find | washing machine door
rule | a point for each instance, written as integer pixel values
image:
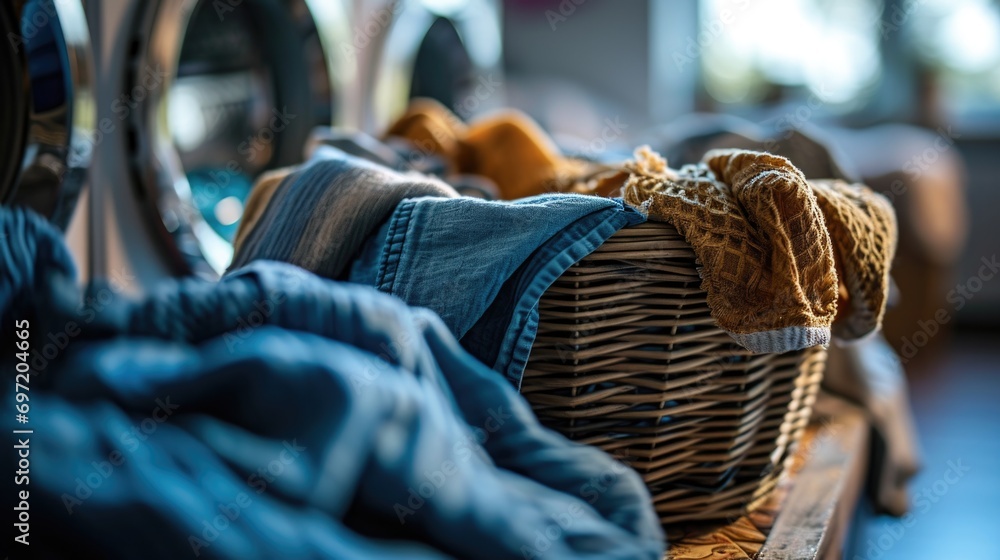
(47, 110)
(217, 92)
(448, 50)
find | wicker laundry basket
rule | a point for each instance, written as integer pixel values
(629, 359)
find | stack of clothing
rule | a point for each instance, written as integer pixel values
(788, 262)
(481, 265)
(276, 414)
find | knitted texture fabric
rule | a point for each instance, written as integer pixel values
(862, 226)
(767, 240)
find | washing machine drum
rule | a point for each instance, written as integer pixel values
(219, 92)
(47, 106)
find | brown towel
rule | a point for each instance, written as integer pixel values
(862, 226)
(507, 147)
(765, 238)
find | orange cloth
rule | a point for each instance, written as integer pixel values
(507, 147)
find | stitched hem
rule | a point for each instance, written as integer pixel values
(786, 339)
(395, 238)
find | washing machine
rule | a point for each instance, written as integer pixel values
(448, 50)
(195, 99)
(46, 114)
(178, 105)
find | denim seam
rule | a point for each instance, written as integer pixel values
(388, 265)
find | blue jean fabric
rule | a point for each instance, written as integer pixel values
(276, 414)
(483, 265)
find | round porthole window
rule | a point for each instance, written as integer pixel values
(48, 109)
(222, 90)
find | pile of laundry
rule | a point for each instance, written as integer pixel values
(782, 257)
(349, 388)
(276, 414)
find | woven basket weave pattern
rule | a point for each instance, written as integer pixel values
(628, 358)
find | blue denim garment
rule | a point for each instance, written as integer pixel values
(276, 414)
(483, 265)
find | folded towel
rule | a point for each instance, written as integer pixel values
(766, 241)
(319, 216)
(507, 147)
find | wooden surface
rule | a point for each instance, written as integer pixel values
(808, 514)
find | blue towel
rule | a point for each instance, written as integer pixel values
(280, 415)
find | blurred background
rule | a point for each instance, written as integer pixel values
(150, 120)
(904, 95)
(844, 72)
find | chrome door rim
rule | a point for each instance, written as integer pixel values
(52, 151)
(192, 247)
